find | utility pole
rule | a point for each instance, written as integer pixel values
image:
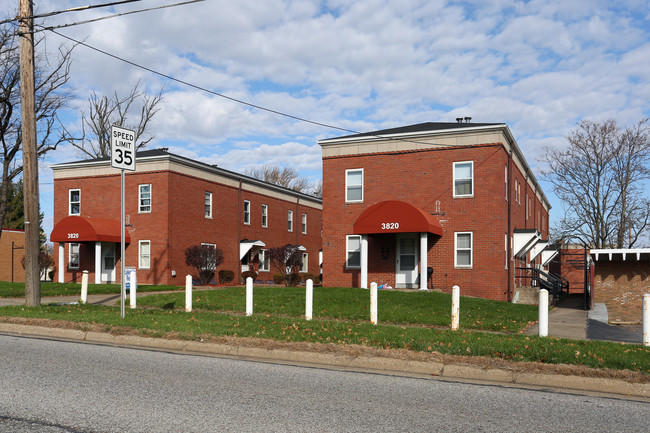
(30, 167)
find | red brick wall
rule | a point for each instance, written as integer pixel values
(425, 179)
(621, 285)
(177, 221)
(18, 239)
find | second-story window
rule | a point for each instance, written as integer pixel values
(304, 224)
(208, 204)
(290, 220)
(247, 212)
(144, 198)
(75, 202)
(354, 185)
(464, 179)
(265, 215)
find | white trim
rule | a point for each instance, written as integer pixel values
(140, 243)
(70, 266)
(471, 194)
(634, 253)
(471, 250)
(70, 201)
(304, 224)
(304, 264)
(140, 205)
(207, 204)
(348, 251)
(265, 216)
(347, 172)
(290, 220)
(263, 261)
(247, 212)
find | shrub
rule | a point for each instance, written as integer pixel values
(205, 259)
(226, 276)
(308, 276)
(247, 274)
(294, 279)
(278, 278)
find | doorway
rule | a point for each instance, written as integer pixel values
(108, 262)
(406, 262)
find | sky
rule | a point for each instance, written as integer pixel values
(538, 66)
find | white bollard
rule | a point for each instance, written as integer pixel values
(132, 291)
(84, 287)
(646, 319)
(373, 303)
(249, 296)
(309, 300)
(188, 293)
(543, 313)
(455, 308)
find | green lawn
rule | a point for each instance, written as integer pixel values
(419, 308)
(201, 324)
(17, 290)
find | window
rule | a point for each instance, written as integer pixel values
(304, 224)
(145, 198)
(265, 261)
(505, 180)
(247, 212)
(73, 256)
(517, 191)
(290, 220)
(144, 254)
(354, 185)
(208, 204)
(212, 266)
(265, 215)
(464, 179)
(75, 202)
(353, 245)
(505, 249)
(463, 247)
(304, 263)
(516, 186)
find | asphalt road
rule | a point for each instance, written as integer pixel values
(51, 386)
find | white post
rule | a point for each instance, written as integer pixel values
(84, 287)
(455, 308)
(373, 303)
(646, 319)
(424, 243)
(364, 261)
(61, 261)
(249, 296)
(132, 291)
(543, 313)
(188, 293)
(309, 300)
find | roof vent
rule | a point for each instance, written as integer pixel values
(467, 119)
(163, 149)
(459, 119)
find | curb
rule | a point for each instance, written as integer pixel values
(360, 363)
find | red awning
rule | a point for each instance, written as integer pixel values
(395, 216)
(84, 229)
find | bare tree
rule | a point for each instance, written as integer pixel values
(599, 179)
(286, 260)
(103, 112)
(283, 176)
(50, 96)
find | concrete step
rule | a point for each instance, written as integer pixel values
(527, 295)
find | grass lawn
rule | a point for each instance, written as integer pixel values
(17, 290)
(419, 308)
(281, 327)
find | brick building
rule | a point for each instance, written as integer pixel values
(173, 202)
(458, 198)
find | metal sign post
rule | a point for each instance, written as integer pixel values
(122, 157)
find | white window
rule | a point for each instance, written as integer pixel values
(464, 179)
(517, 191)
(505, 249)
(211, 266)
(463, 250)
(304, 263)
(265, 215)
(354, 185)
(265, 261)
(353, 245)
(144, 198)
(208, 204)
(144, 254)
(73, 256)
(304, 224)
(290, 220)
(505, 180)
(75, 202)
(247, 212)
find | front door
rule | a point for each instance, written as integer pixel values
(406, 262)
(108, 262)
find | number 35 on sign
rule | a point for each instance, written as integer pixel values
(122, 148)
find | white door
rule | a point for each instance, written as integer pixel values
(108, 262)
(406, 261)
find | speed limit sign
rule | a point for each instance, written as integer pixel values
(122, 148)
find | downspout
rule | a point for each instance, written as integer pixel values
(510, 261)
(239, 221)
